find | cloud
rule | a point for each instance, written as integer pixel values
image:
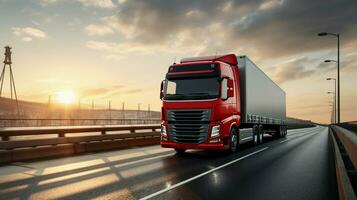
(29, 31)
(27, 39)
(347, 63)
(101, 91)
(48, 1)
(267, 5)
(98, 3)
(117, 50)
(305, 67)
(98, 30)
(88, 3)
(256, 28)
(293, 70)
(106, 92)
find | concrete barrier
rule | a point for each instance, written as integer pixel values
(22, 150)
(345, 189)
(349, 141)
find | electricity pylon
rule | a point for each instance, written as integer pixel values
(8, 62)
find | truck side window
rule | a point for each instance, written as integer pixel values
(224, 89)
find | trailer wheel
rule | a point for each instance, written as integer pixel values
(260, 134)
(233, 140)
(255, 140)
(180, 151)
(285, 131)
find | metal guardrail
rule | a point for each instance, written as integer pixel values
(30, 122)
(352, 126)
(62, 145)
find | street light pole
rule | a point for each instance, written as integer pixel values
(333, 105)
(338, 72)
(338, 79)
(329, 79)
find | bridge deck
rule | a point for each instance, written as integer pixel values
(300, 166)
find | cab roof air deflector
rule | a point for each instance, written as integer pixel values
(230, 59)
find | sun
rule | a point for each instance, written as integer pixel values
(66, 96)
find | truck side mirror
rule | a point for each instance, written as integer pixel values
(162, 90)
(227, 88)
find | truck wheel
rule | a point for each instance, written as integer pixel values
(285, 131)
(255, 140)
(277, 132)
(180, 151)
(260, 134)
(233, 140)
(281, 132)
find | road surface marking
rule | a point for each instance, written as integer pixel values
(200, 175)
(283, 141)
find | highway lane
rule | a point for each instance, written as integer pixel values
(299, 166)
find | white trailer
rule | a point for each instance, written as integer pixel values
(262, 100)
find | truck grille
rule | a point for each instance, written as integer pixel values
(188, 126)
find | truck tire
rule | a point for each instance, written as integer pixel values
(233, 140)
(285, 131)
(280, 132)
(255, 140)
(260, 134)
(277, 133)
(180, 151)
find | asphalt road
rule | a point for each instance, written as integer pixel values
(300, 166)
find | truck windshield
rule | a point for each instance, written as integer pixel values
(189, 89)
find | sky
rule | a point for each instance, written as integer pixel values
(120, 50)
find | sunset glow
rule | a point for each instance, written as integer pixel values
(66, 97)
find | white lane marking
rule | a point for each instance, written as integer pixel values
(200, 175)
(284, 141)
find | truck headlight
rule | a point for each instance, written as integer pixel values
(163, 130)
(215, 131)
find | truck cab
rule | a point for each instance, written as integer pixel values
(202, 105)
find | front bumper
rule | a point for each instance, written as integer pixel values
(212, 146)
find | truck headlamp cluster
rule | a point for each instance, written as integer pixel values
(215, 131)
(163, 131)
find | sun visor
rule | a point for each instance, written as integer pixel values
(193, 70)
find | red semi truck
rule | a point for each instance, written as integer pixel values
(219, 102)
